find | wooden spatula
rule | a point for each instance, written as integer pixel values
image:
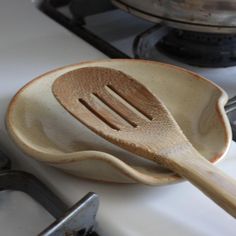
(126, 113)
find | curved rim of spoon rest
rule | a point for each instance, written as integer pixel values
(61, 160)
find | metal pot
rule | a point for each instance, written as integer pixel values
(216, 16)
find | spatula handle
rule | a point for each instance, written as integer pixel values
(220, 187)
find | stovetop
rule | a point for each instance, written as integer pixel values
(31, 44)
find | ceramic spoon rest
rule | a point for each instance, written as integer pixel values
(46, 132)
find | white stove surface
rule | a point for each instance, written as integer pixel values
(31, 44)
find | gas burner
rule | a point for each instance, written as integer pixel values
(193, 48)
(200, 49)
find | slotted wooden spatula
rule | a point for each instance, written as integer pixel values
(126, 113)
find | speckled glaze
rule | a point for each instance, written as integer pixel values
(46, 132)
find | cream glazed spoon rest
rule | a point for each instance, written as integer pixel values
(46, 132)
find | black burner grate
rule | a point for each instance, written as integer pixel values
(76, 220)
(200, 49)
(77, 23)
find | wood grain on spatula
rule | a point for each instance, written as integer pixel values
(126, 113)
